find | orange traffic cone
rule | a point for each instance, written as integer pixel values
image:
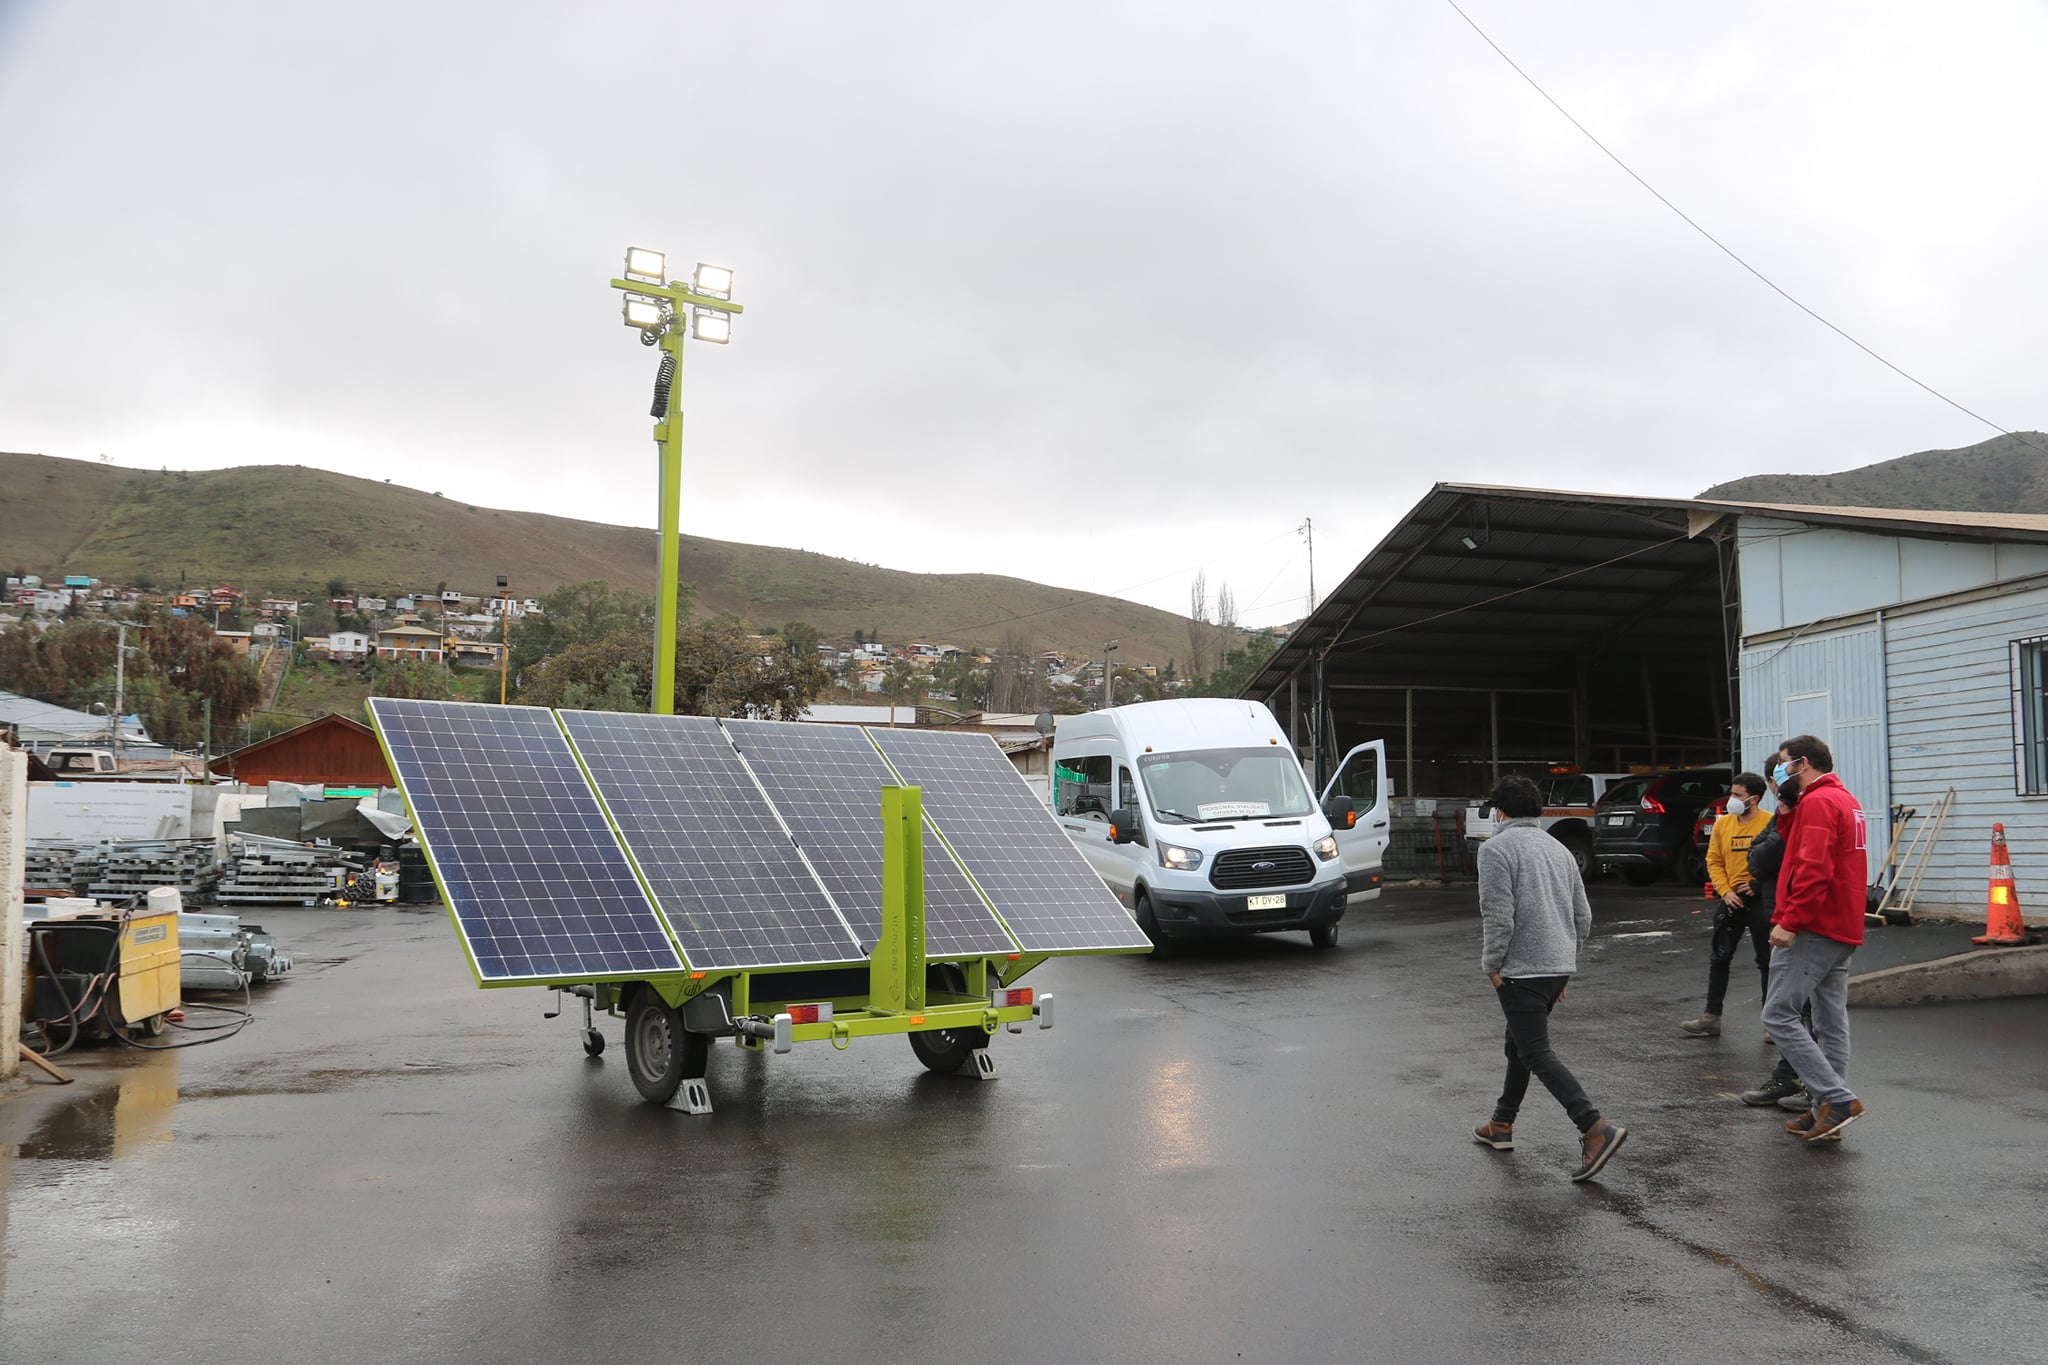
(2002, 923)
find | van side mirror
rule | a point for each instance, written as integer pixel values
(1123, 826)
(1341, 812)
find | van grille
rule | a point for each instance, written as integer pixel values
(1243, 867)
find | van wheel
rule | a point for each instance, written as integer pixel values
(1581, 849)
(1325, 935)
(1141, 910)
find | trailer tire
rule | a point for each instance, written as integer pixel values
(659, 1051)
(944, 1050)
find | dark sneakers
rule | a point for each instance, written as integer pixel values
(1770, 1092)
(1599, 1145)
(1499, 1136)
(1798, 1101)
(1830, 1119)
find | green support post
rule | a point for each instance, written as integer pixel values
(668, 434)
(896, 967)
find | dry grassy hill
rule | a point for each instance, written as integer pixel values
(290, 529)
(2003, 474)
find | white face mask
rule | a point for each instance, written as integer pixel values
(1737, 806)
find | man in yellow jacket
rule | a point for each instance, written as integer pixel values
(1741, 910)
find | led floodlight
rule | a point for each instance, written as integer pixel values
(642, 264)
(714, 280)
(708, 325)
(646, 314)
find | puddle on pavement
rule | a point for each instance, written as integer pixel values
(109, 1123)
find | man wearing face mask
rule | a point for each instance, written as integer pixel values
(1817, 927)
(1766, 856)
(1741, 911)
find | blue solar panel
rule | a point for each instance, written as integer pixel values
(722, 867)
(827, 781)
(535, 879)
(1044, 889)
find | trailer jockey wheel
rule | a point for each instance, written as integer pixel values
(946, 1050)
(593, 1042)
(659, 1052)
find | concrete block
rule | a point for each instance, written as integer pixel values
(1987, 974)
(13, 849)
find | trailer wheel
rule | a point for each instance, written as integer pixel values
(659, 1051)
(940, 1049)
(1325, 935)
(593, 1043)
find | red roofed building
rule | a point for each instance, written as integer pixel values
(332, 751)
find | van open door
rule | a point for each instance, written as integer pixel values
(1362, 776)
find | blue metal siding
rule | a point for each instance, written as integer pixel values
(1952, 725)
(1839, 675)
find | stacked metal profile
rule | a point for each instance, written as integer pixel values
(59, 867)
(267, 871)
(132, 868)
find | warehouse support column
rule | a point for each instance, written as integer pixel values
(1408, 747)
(13, 938)
(1582, 717)
(1294, 711)
(1493, 732)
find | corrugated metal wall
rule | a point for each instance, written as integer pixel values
(1832, 685)
(1952, 725)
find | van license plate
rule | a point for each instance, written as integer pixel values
(1265, 902)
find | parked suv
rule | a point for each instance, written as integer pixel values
(1642, 827)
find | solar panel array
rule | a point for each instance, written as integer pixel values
(723, 869)
(537, 853)
(827, 781)
(535, 879)
(1039, 882)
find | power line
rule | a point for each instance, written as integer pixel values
(1723, 247)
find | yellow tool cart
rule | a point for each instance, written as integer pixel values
(103, 970)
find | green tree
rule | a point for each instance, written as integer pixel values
(582, 613)
(1238, 666)
(417, 679)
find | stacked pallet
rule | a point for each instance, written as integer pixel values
(134, 867)
(268, 871)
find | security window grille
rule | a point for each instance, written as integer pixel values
(2030, 715)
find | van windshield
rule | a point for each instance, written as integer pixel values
(1224, 784)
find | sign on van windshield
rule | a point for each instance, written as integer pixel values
(1233, 810)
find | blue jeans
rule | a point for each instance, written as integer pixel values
(1813, 972)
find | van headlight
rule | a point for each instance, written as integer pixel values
(1178, 858)
(1326, 847)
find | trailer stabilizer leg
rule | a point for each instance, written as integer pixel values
(984, 1064)
(693, 1096)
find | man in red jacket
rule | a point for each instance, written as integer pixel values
(1817, 927)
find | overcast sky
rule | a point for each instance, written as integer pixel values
(1085, 293)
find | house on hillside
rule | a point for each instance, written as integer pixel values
(367, 604)
(347, 646)
(237, 640)
(474, 653)
(410, 642)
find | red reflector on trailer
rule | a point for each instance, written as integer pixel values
(1012, 997)
(810, 1014)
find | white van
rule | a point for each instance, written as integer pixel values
(1196, 814)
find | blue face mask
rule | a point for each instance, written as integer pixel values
(1780, 773)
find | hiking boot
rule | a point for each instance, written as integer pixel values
(1830, 1119)
(1802, 1127)
(1499, 1136)
(1706, 1026)
(1600, 1142)
(1799, 1101)
(1771, 1092)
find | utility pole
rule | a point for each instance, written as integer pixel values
(120, 684)
(1109, 674)
(1308, 529)
(504, 636)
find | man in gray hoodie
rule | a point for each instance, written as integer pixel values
(1533, 909)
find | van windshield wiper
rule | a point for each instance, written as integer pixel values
(1179, 815)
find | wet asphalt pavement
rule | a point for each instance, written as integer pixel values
(1249, 1152)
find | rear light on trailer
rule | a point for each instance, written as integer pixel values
(1011, 997)
(809, 1014)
